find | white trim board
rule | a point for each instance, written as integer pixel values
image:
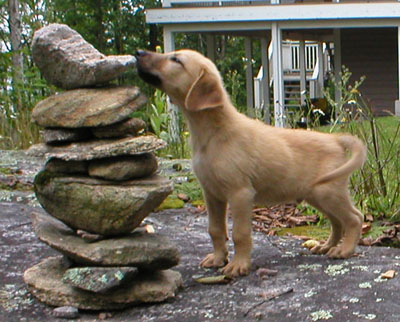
(271, 13)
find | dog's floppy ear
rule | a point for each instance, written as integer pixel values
(205, 92)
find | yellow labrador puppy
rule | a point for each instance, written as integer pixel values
(241, 161)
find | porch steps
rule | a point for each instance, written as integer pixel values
(292, 94)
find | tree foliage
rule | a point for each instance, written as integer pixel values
(114, 27)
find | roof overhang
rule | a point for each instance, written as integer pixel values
(294, 16)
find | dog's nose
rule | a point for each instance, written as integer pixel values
(140, 53)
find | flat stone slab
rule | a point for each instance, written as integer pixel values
(88, 107)
(143, 250)
(66, 167)
(124, 168)
(99, 279)
(98, 149)
(60, 135)
(45, 281)
(66, 60)
(130, 127)
(99, 206)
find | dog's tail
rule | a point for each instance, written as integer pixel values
(358, 155)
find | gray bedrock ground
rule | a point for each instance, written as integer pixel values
(312, 287)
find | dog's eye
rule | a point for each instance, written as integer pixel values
(175, 59)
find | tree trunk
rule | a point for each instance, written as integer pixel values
(117, 30)
(100, 30)
(153, 35)
(14, 23)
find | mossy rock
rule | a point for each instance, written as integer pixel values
(171, 202)
(314, 232)
(100, 206)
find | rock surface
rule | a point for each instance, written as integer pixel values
(124, 168)
(146, 251)
(54, 135)
(88, 107)
(99, 149)
(348, 290)
(98, 206)
(99, 279)
(45, 282)
(66, 60)
(130, 127)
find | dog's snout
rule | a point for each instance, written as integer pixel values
(141, 53)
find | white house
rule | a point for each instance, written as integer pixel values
(364, 36)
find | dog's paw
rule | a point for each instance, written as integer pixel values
(211, 260)
(320, 249)
(237, 267)
(338, 252)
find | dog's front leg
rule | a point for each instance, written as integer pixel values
(218, 232)
(241, 204)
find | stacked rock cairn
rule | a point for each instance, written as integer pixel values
(98, 184)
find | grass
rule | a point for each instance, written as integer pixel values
(376, 186)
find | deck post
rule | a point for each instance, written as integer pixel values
(265, 80)
(337, 62)
(302, 66)
(249, 76)
(279, 103)
(321, 70)
(173, 126)
(397, 102)
(210, 40)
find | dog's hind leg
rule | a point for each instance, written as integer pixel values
(335, 202)
(336, 231)
(352, 220)
(241, 204)
(218, 232)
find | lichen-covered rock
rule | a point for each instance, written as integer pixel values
(67, 167)
(99, 206)
(124, 168)
(59, 135)
(45, 281)
(139, 249)
(88, 107)
(66, 60)
(130, 127)
(99, 279)
(98, 149)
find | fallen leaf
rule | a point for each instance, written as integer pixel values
(183, 197)
(220, 279)
(389, 274)
(310, 243)
(89, 237)
(366, 227)
(366, 241)
(262, 272)
(369, 217)
(150, 229)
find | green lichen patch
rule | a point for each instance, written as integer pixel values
(13, 298)
(6, 171)
(321, 315)
(335, 270)
(99, 279)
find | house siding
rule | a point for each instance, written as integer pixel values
(373, 52)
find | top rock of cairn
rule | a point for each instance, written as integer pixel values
(66, 60)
